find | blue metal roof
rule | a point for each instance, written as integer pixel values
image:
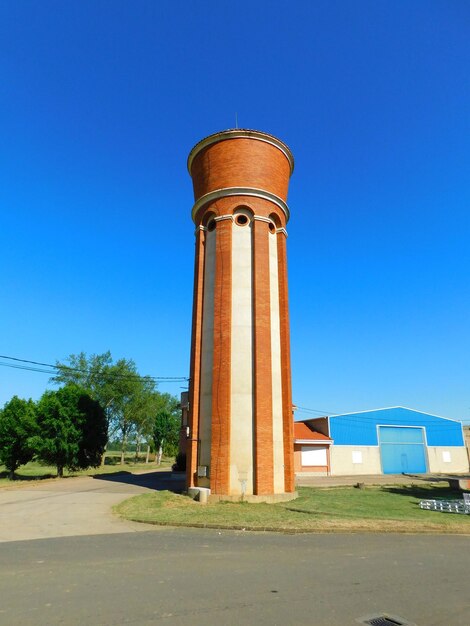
(360, 429)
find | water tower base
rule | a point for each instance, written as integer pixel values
(269, 498)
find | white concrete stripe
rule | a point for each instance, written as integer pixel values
(241, 426)
(278, 435)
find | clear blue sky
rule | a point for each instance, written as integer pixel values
(100, 103)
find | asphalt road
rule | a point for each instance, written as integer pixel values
(193, 576)
(73, 506)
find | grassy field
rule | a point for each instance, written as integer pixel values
(374, 509)
(37, 471)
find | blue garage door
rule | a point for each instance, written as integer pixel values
(402, 450)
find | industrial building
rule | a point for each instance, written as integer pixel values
(392, 440)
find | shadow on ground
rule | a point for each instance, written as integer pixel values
(425, 478)
(424, 493)
(158, 481)
(437, 478)
(25, 477)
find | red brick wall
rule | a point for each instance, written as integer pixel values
(241, 163)
(309, 468)
(287, 413)
(195, 364)
(222, 369)
(263, 414)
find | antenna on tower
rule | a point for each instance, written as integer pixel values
(236, 119)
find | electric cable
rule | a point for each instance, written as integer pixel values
(57, 369)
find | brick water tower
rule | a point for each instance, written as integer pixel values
(240, 423)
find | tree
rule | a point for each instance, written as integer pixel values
(72, 429)
(167, 425)
(17, 426)
(96, 375)
(92, 373)
(132, 393)
(143, 411)
(94, 432)
(117, 386)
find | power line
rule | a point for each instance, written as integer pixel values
(57, 369)
(25, 367)
(303, 408)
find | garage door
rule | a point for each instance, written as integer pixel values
(402, 450)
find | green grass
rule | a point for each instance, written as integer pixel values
(37, 471)
(375, 509)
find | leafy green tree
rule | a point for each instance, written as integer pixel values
(167, 425)
(17, 426)
(131, 397)
(167, 402)
(93, 373)
(97, 375)
(143, 412)
(72, 429)
(116, 385)
(131, 401)
(93, 430)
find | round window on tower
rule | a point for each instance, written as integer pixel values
(211, 225)
(272, 228)
(241, 219)
(242, 216)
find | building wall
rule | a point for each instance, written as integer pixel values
(183, 438)
(341, 460)
(466, 436)
(207, 354)
(450, 459)
(240, 163)
(321, 470)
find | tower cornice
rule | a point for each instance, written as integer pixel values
(241, 133)
(240, 191)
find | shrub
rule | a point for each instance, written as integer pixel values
(180, 465)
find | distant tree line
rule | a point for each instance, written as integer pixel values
(98, 400)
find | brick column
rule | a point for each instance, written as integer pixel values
(263, 410)
(287, 416)
(195, 364)
(221, 372)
